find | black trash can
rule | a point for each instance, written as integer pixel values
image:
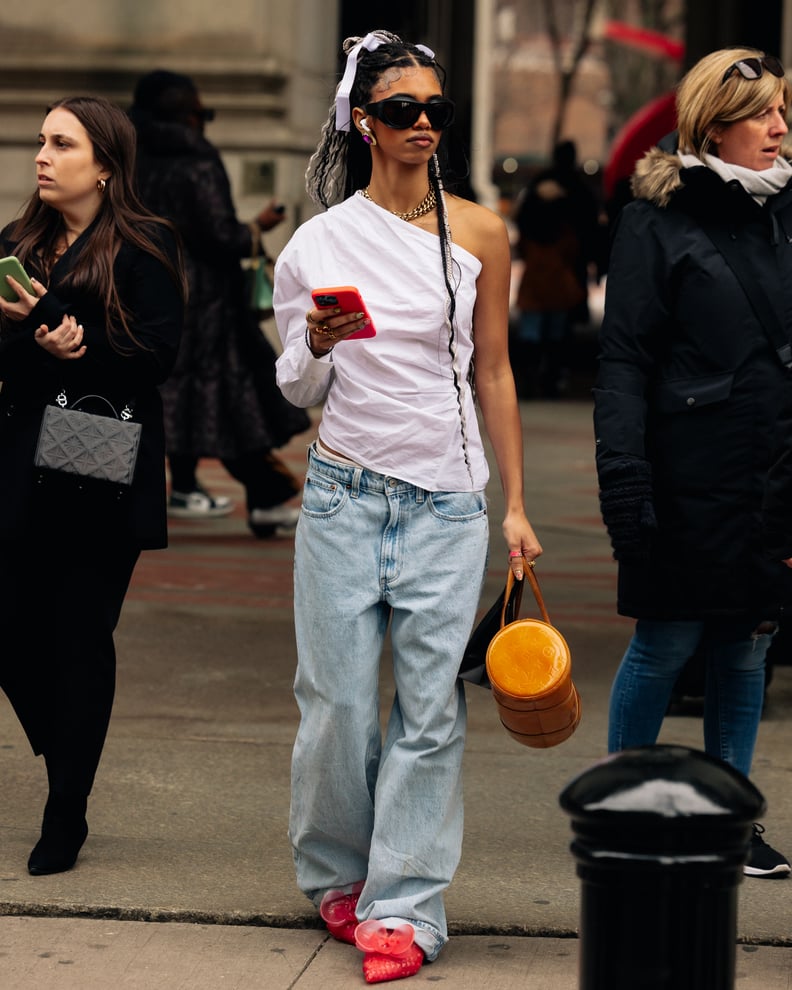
(661, 835)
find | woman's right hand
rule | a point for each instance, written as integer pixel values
(64, 342)
(24, 305)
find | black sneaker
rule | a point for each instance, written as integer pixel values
(763, 860)
(198, 505)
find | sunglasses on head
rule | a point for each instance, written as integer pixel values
(752, 68)
(401, 112)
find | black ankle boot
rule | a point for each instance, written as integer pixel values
(63, 832)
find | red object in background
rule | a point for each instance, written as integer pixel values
(644, 39)
(643, 130)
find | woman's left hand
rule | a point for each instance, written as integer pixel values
(64, 342)
(328, 326)
(524, 547)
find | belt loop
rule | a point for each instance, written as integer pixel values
(356, 478)
(420, 496)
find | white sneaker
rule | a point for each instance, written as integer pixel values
(198, 505)
(280, 520)
(278, 515)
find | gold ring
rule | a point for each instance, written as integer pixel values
(324, 329)
(532, 563)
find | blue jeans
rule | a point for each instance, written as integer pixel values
(548, 327)
(372, 552)
(735, 663)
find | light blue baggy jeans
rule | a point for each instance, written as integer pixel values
(372, 550)
(734, 651)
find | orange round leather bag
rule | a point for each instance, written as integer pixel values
(530, 669)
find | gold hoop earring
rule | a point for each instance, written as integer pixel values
(101, 185)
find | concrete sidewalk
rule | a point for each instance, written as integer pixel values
(88, 954)
(186, 878)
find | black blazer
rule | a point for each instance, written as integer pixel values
(31, 378)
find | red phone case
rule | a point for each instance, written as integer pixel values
(350, 301)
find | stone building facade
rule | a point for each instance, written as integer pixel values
(262, 64)
(269, 68)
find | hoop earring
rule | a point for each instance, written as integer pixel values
(101, 185)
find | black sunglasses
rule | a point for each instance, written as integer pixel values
(752, 68)
(401, 112)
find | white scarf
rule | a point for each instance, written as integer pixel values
(760, 185)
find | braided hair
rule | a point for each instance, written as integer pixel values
(341, 165)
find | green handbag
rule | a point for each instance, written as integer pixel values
(258, 283)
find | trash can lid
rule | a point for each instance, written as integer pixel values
(667, 782)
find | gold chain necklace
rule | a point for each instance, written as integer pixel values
(427, 204)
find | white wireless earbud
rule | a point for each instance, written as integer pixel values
(364, 126)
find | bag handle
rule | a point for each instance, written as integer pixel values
(512, 599)
(258, 252)
(126, 412)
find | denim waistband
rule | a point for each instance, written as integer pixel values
(359, 479)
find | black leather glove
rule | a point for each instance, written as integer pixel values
(627, 506)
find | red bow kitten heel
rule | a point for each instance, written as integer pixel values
(389, 953)
(337, 910)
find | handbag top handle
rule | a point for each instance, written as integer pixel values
(510, 585)
(126, 413)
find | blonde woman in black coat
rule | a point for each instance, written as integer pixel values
(693, 377)
(104, 319)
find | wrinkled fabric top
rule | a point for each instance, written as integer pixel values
(390, 401)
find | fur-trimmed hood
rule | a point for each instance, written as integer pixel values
(657, 175)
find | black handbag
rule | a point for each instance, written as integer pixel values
(473, 668)
(102, 447)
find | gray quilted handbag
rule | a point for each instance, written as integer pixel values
(86, 444)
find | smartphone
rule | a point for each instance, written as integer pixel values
(350, 301)
(11, 266)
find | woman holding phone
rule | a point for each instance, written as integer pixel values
(393, 531)
(103, 319)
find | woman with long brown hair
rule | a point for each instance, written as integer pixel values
(104, 319)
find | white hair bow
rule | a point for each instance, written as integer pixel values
(371, 42)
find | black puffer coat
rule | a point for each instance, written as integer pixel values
(222, 399)
(691, 400)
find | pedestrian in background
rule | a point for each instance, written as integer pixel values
(688, 409)
(104, 320)
(222, 400)
(393, 532)
(559, 242)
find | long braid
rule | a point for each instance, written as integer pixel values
(450, 310)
